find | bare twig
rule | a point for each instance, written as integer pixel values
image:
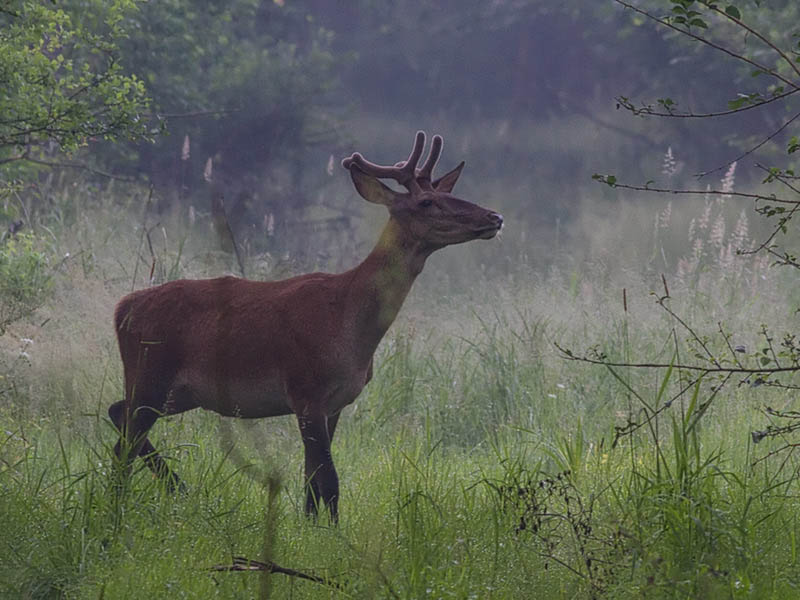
(570, 355)
(662, 303)
(785, 259)
(776, 451)
(780, 177)
(240, 563)
(753, 149)
(11, 159)
(731, 349)
(657, 190)
(633, 426)
(780, 227)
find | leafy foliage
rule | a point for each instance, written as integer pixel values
(258, 74)
(247, 91)
(25, 278)
(61, 81)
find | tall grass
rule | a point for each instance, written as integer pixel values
(478, 463)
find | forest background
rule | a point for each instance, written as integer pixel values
(142, 142)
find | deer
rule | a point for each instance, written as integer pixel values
(301, 346)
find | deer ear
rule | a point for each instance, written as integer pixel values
(371, 188)
(447, 182)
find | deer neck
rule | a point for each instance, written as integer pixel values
(382, 282)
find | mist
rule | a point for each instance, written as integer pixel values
(525, 93)
(592, 397)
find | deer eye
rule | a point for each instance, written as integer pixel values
(425, 202)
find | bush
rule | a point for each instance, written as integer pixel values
(25, 278)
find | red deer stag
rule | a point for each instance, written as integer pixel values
(303, 345)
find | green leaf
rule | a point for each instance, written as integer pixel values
(738, 103)
(698, 23)
(732, 11)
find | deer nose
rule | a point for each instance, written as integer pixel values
(496, 218)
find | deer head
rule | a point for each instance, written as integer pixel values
(427, 213)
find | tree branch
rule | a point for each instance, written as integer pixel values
(757, 34)
(711, 44)
(64, 165)
(192, 114)
(649, 111)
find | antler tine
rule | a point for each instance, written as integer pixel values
(404, 173)
(426, 172)
(416, 153)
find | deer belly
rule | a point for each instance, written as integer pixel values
(244, 397)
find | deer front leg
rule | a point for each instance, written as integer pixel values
(322, 482)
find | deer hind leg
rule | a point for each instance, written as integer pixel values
(322, 482)
(133, 442)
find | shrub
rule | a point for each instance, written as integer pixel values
(25, 278)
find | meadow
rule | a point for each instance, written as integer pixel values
(480, 462)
